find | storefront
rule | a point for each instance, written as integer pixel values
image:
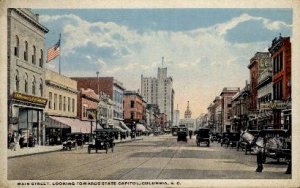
(26, 114)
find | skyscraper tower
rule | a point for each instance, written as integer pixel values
(160, 91)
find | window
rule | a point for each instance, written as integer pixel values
(84, 111)
(41, 59)
(278, 63)
(73, 105)
(41, 87)
(26, 83)
(17, 81)
(34, 55)
(60, 102)
(277, 90)
(50, 100)
(26, 51)
(131, 115)
(131, 104)
(55, 101)
(69, 103)
(229, 105)
(64, 103)
(17, 46)
(33, 85)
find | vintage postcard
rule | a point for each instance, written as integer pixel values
(149, 93)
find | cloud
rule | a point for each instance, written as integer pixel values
(201, 61)
(223, 28)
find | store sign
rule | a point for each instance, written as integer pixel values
(273, 105)
(29, 98)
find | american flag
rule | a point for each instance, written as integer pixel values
(54, 51)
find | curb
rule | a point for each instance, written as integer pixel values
(60, 149)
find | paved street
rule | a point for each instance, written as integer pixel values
(154, 157)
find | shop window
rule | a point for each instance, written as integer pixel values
(17, 46)
(41, 60)
(17, 81)
(26, 51)
(50, 100)
(33, 85)
(33, 60)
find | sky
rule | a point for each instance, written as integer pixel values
(204, 50)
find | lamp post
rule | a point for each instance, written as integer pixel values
(98, 96)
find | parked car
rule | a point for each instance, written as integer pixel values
(103, 139)
(74, 140)
(225, 140)
(182, 134)
(203, 136)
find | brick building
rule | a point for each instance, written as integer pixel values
(281, 104)
(134, 110)
(109, 86)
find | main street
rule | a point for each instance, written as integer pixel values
(154, 157)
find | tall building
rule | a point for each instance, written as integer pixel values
(281, 104)
(26, 75)
(160, 91)
(176, 117)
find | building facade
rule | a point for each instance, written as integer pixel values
(26, 76)
(61, 93)
(226, 114)
(281, 61)
(160, 91)
(109, 86)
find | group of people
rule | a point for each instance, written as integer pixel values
(12, 141)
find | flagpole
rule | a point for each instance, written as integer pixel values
(59, 69)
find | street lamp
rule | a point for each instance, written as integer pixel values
(98, 96)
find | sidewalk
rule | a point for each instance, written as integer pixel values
(47, 149)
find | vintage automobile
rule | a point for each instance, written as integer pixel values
(182, 134)
(203, 136)
(74, 140)
(225, 140)
(276, 144)
(102, 139)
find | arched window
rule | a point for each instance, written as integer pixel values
(26, 51)
(17, 81)
(41, 87)
(41, 59)
(17, 46)
(33, 55)
(26, 83)
(33, 85)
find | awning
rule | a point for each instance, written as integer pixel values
(140, 127)
(52, 122)
(124, 126)
(116, 126)
(75, 124)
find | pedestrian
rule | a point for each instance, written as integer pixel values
(190, 133)
(21, 141)
(259, 160)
